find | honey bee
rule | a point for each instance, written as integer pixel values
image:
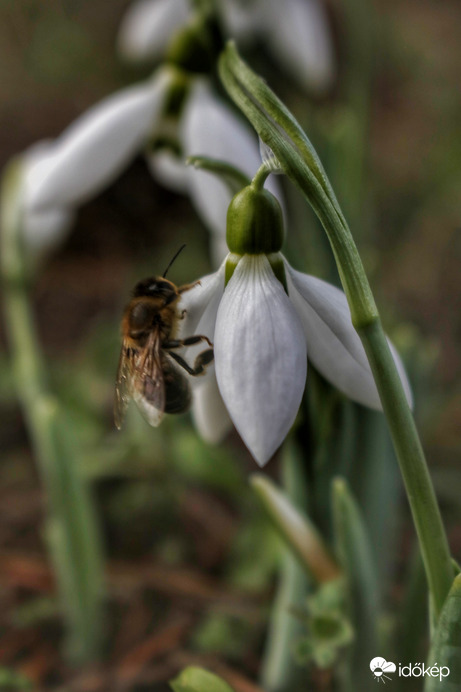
(149, 370)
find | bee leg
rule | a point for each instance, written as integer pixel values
(203, 359)
(187, 287)
(189, 341)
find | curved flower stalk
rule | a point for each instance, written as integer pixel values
(266, 321)
(296, 32)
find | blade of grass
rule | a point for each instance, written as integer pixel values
(71, 526)
(356, 558)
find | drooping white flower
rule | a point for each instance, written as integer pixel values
(295, 31)
(263, 339)
(96, 147)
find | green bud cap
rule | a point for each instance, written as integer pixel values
(196, 46)
(254, 222)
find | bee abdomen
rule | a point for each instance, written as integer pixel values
(178, 396)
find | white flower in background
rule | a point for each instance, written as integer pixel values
(148, 26)
(41, 230)
(96, 147)
(263, 339)
(298, 34)
(210, 128)
(295, 31)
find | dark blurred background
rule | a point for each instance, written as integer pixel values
(182, 573)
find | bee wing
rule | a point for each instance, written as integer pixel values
(140, 377)
(148, 387)
(123, 384)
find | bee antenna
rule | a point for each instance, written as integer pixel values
(171, 261)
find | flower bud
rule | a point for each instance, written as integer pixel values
(254, 223)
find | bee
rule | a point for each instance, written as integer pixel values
(150, 371)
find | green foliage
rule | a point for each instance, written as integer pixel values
(362, 592)
(329, 629)
(10, 680)
(223, 634)
(194, 679)
(446, 648)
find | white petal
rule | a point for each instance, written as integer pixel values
(41, 231)
(210, 128)
(201, 305)
(299, 35)
(148, 26)
(333, 345)
(260, 356)
(169, 170)
(96, 147)
(209, 412)
(218, 248)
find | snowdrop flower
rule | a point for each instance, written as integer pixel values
(148, 26)
(209, 128)
(96, 147)
(266, 321)
(295, 31)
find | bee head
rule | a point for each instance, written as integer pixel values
(156, 287)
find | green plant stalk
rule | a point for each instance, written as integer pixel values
(280, 131)
(72, 533)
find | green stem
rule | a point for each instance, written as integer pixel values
(281, 132)
(410, 454)
(260, 177)
(72, 531)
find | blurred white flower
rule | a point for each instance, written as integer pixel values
(210, 128)
(295, 31)
(148, 26)
(263, 339)
(298, 34)
(96, 147)
(41, 231)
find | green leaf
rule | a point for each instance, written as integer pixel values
(295, 528)
(446, 649)
(195, 679)
(355, 555)
(278, 674)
